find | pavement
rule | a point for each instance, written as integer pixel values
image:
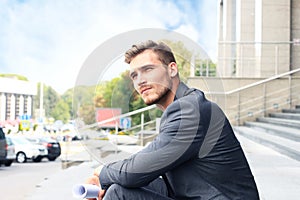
(277, 176)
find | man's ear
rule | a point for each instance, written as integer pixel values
(173, 69)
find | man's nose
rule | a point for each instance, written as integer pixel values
(141, 79)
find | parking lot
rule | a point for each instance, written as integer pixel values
(21, 180)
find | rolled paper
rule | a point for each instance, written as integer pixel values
(86, 191)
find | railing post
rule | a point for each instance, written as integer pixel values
(291, 91)
(192, 66)
(276, 59)
(207, 68)
(264, 101)
(142, 129)
(241, 61)
(239, 109)
(116, 133)
(200, 69)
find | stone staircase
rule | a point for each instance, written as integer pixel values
(278, 131)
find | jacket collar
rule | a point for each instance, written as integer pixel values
(181, 90)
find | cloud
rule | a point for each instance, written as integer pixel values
(49, 40)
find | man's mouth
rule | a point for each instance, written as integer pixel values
(145, 89)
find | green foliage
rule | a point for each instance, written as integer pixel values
(50, 99)
(137, 103)
(35, 127)
(67, 97)
(118, 92)
(183, 58)
(61, 111)
(14, 76)
(82, 95)
(87, 113)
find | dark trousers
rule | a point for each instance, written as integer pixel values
(156, 190)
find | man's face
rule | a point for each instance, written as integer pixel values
(150, 77)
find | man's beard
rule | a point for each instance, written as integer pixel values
(162, 95)
(159, 99)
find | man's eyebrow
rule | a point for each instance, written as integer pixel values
(145, 66)
(142, 67)
(132, 73)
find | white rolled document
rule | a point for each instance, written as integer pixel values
(86, 191)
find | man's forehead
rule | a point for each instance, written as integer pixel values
(145, 56)
(136, 68)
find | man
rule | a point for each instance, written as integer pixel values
(195, 155)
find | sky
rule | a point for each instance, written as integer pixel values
(48, 41)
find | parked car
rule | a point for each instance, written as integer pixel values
(3, 146)
(11, 152)
(26, 150)
(52, 146)
(69, 136)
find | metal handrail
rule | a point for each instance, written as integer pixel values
(257, 42)
(119, 117)
(257, 99)
(140, 125)
(239, 111)
(257, 83)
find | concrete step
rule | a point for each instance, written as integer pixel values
(282, 145)
(293, 116)
(280, 121)
(291, 110)
(281, 131)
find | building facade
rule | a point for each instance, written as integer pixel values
(16, 99)
(258, 38)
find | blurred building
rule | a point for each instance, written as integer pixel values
(258, 38)
(16, 99)
(258, 69)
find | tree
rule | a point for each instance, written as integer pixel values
(61, 111)
(116, 93)
(67, 97)
(14, 76)
(82, 95)
(87, 112)
(50, 99)
(99, 101)
(183, 58)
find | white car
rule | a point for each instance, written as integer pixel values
(25, 150)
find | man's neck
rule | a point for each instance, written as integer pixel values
(169, 97)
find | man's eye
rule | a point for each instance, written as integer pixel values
(133, 76)
(148, 69)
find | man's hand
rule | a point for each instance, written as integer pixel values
(97, 171)
(94, 180)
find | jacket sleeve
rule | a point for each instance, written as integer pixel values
(179, 140)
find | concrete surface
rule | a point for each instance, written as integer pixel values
(277, 176)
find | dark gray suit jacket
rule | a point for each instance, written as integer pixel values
(196, 150)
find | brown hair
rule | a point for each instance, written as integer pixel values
(164, 52)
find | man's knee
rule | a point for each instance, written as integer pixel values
(118, 192)
(114, 191)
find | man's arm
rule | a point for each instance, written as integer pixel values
(178, 141)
